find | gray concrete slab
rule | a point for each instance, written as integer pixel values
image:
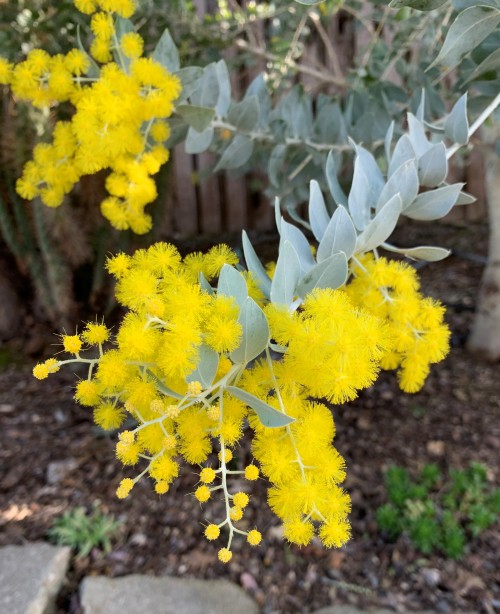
(31, 577)
(139, 594)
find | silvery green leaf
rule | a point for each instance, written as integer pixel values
(359, 197)
(166, 53)
(206, 368)
(434, 204)
(197, 117)
(190, 80)
(255, 266)
(403, 181)
(381, 227)
(122, 26)
(433, 166)
(420, 114)
(419, 5)
(232, 283)
(465, 199)
(198, 142)
(402, 153)
(204, 284)
(236, 154)
(297, 238)
(207, 93)
(339, 235)
(418, 138)
(291, 209)
(456, 127)
(245, 114)
(277, 214)
(388, 141)
(372, 172)
(268, 415)
(276, 159)
(286, 276)
(422, 252)
(94, 71)
(224, 99)
(468, 30)
(163, 388)
(333, 183)
(255, 335)
(258, 88)
(491, 63)
(318, 214)
(330, 273)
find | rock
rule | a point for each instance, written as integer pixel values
(138, 593)
(31, 577)
(432, 576)
(57, 471)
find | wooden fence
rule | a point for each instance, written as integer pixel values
(201, 203)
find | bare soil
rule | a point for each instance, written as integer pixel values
(452, 421)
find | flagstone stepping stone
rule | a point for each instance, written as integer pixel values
(138, 593)
(31, 577)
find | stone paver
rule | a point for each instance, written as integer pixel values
(138, 594)
(30, 577)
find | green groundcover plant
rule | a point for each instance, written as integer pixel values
(438, 514)
(212, 346)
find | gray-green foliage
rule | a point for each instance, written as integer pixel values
(290, 137)
(84, 531)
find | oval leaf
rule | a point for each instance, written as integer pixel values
(255, 333)
(422, 252)
(232, 283)
(245, 114)
(197, 117)
(208, 363)
(297, 238)
(419, 5)
(286, 276)
(236, 154)
(433, 166)
(381, 227)
(403, 181)
(434, 204)
(269, 416)
(166, 53)
(331, 273)
(456, 127)
(198, 142)
(403, 152)
(469, 29)
(340, 235)
(333, 183)
(318, 214)
(255, 266)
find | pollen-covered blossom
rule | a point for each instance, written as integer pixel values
(390, 290)
(118, 121)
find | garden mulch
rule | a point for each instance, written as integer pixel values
(52, 459)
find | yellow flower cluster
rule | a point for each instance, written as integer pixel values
(390, 291)
(175, 370)
(118, 121)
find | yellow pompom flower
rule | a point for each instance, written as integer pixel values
(124, 488)
(87, 392)
(207, 475)
(72, 343)
(95, 334)
(5, 71)
(161, 487)
(132, 45)
(254, 537)
(251, 472)
(108, 416)
(236, 513)
(240, 499)
(334, 533)
(217, 257)
(194, 389)
(102, 26)
(225, 555)
(298, 532)
(164, 468)
(43, 370)
(212, 532)
(228, 455)
(202, 493)
(85, 6)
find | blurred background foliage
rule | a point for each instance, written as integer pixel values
(332, 70)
